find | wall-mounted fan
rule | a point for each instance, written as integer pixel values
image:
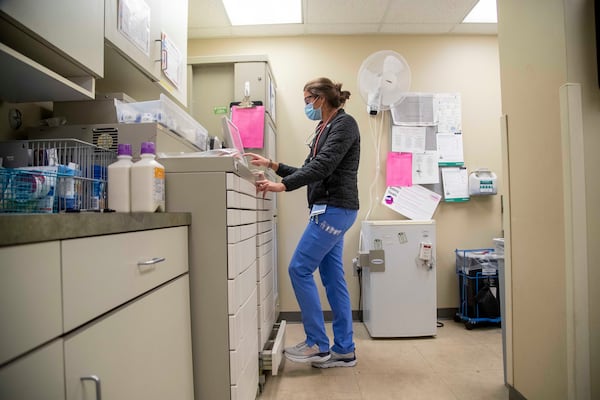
(383, 80)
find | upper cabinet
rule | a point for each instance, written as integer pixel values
(150, 35)
(50, 50)
(66, 50)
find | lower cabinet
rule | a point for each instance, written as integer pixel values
(125, 301)
(37, 375)
(142, 351)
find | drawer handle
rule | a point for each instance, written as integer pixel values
(153, 261)
(97, 384)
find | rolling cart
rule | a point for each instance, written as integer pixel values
(479, 288)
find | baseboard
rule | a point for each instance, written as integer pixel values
(513, 394)
(296, 316)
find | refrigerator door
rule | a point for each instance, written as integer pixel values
(400, 301)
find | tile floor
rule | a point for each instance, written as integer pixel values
(457, 364)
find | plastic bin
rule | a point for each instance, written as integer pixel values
(479, 287)
(165, 112)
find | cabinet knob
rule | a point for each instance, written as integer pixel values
(96, 381)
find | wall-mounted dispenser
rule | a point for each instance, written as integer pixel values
(482, 181)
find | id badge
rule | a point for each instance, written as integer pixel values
(317, 209)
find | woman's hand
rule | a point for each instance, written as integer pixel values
(266, 185)
(257, 160)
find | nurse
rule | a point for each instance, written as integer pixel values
(330, 174)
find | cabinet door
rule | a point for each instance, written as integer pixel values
(73, 27)
(30, 297)
(133, 27)
(36, 376)
(141, 351)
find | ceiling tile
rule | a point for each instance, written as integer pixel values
(345, 11)
(428, 11)
(416, 29)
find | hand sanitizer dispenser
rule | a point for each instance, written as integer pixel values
(482, 181)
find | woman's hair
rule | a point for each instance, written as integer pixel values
(330, 91)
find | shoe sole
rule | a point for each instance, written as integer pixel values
(334, 364)
(304, 359)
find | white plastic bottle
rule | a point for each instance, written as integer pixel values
(118, 175)
(147, 182)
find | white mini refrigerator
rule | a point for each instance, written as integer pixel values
(399, 294)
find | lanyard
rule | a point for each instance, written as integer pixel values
(321, 128)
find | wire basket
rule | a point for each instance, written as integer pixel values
(65, 175)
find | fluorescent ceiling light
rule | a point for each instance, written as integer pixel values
(483, 12)
(263, 12)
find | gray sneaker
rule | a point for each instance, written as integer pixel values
(337, 360)
(302, 353)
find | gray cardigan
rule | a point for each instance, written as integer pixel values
(331, 174)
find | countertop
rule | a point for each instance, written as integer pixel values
(31, 228)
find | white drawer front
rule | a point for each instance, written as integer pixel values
(240, 288)
(265, 248)
(233, 181)
(247, 202)
(234, 217)
(265, 286)
(30, 297)
(233, 199)
(240, 256)
(247, 217)
(264, 237)
(103, 272)
(234, 234)
(247, 384)
(243, 322)
(247, 231)
(265, 265)
(265, 226)
(38, 375)
(248, 187)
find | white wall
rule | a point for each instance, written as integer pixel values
(465, 64)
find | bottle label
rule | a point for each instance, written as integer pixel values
(159, 185)
(159, 173)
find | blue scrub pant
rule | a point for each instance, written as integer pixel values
(321, 245)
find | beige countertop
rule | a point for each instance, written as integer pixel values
(32, 228)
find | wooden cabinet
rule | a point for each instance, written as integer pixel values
(125, 302)
(51, 50)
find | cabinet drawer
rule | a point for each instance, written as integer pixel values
(142, 351)
(244, 322)
(36, 376)
(240, 288)
(240, 256)
(103, 272)
(30, 297)
(265, 264)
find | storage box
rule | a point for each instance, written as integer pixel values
(165, 112)
(484, 260)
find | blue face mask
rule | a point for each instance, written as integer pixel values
(311, 113)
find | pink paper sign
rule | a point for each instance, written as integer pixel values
(251, 123)
(399, 169)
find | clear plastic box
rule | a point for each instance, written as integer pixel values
(484, 260)
(165, 112)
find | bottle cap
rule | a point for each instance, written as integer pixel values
(147, 148)
(124, 149)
